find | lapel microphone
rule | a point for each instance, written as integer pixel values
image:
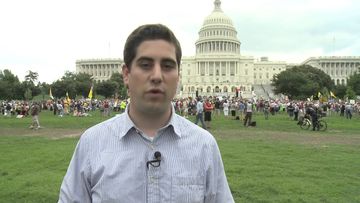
(155, 162)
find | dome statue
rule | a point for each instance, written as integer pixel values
(217, 34)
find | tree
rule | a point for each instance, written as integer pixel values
(107, 88)
(121, 89)
(31, 77)
(340, 91)
(83, 84)
(301, 82)
(10, 86)
(28, 94)
(354, 83)
(350, 93)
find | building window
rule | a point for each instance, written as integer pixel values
(232, 70)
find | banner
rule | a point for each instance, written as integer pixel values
(68, 98)
(91, 92)
(332, 94)
(50, 94)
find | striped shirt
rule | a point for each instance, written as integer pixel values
(110, 165)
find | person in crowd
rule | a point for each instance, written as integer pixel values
(348, 110)
(185, 107)
(200, 112)
(148, 153)
(226, 108)
(122, 106)
(34, 111)
(290, 110)
(60, 108)
(296, 111)
(266, 109)
(233, 107)
(312, 111)
(249, 108)
(208, 107)
(241, 110)
(217, 107)
(342, 109)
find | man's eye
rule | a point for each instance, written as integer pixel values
(169, 65)
(145, 65)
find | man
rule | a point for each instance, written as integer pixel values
(148, 153)
(348, 110)
(217, 106)
(266, 109)
(208, 107)
(248, 113)
(200, 112)
(34, 111)
(310, 110)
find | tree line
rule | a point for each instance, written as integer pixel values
(75, 85)
(298, 82)
(302, 82)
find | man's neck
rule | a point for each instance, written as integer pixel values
(149, 123)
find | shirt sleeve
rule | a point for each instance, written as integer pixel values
(76, 184)
(217, 187)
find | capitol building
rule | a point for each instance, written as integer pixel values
(219, 69)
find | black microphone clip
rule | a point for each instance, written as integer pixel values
(155, 162)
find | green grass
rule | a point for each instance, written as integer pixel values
(274, 162)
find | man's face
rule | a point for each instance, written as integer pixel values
(153, 77)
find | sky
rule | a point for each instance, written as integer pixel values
(48, 36)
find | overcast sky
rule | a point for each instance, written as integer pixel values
(48, 36)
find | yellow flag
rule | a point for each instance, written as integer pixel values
(67, 98)
(50, 94)
(332, 94)
(90, 93)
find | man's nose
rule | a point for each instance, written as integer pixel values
(156, 75)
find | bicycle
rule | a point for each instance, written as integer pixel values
(306, 123)
(321, 124)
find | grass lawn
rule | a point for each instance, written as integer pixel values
(273, 162)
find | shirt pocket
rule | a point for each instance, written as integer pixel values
(187, 189)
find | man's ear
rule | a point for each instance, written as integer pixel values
(125, 74)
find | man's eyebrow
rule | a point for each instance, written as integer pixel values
(168, 60)
(144, 58)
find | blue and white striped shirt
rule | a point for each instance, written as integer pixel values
(109, 165)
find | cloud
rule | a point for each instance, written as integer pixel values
(49, 36)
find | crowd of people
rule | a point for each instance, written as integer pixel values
(243, 109)
(204, 108)
(62, 107)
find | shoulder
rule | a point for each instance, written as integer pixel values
(194, 133)
(103, 132)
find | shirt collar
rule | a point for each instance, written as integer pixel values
(126, 124)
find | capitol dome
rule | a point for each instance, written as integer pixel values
(217, 16)
(218, 34)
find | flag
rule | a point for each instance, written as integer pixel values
(50, 94)
(91, 92)
(332, 94)
(68, 98)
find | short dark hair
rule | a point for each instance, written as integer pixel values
(149, 32)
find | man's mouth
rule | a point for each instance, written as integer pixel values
(155, 92)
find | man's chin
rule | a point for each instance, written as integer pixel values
(156, 107)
